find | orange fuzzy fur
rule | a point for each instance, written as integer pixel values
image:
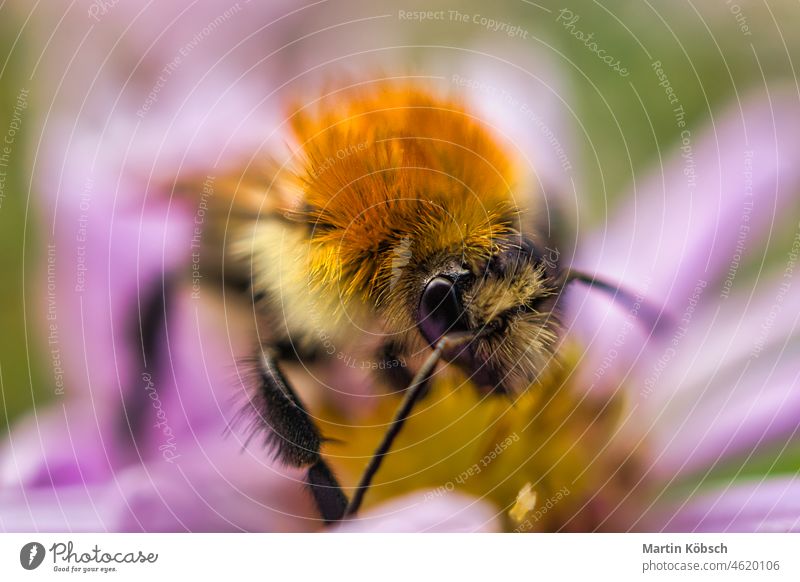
(394, 162)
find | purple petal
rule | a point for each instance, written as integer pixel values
(195, 393)
(753, 323)
(92, 310)
(772, 505)
(46, 509)
(679, 228)
(107, 173)
(203, 382)
(414, 513)
(737, 412)
(672, 234)
(60, 446)
(215, 486)
(731, 386)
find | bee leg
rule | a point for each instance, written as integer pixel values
(295, 438)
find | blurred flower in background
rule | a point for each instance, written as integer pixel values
(693, 429)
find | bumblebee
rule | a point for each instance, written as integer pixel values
(399, 225)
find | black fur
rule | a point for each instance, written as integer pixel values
(290, 430)
(294, 437)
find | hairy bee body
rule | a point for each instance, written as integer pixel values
(398, 223)
(390, 186)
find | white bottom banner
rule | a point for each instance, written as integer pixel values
(356, 557)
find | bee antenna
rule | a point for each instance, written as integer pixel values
(654, 318)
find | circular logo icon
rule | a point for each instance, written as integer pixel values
(31, 555)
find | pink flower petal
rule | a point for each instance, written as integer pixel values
(672, 234)
(215, 486)
(772, 505)
(748, 407)
(751, 324)
(679, 229)
(58, 446)
(198, 390)
(414, 513)
(203, 381)
(731, 386)
(45, 509)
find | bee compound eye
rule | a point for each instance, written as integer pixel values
(440, 310)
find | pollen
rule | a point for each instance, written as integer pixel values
(526, 502)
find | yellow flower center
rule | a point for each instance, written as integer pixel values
(547, 459)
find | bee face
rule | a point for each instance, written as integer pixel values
(507, 302)
(412, 233)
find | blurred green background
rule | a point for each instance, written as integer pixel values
(22, 367)
(709, 59)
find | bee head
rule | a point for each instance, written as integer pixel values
(507, 302)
